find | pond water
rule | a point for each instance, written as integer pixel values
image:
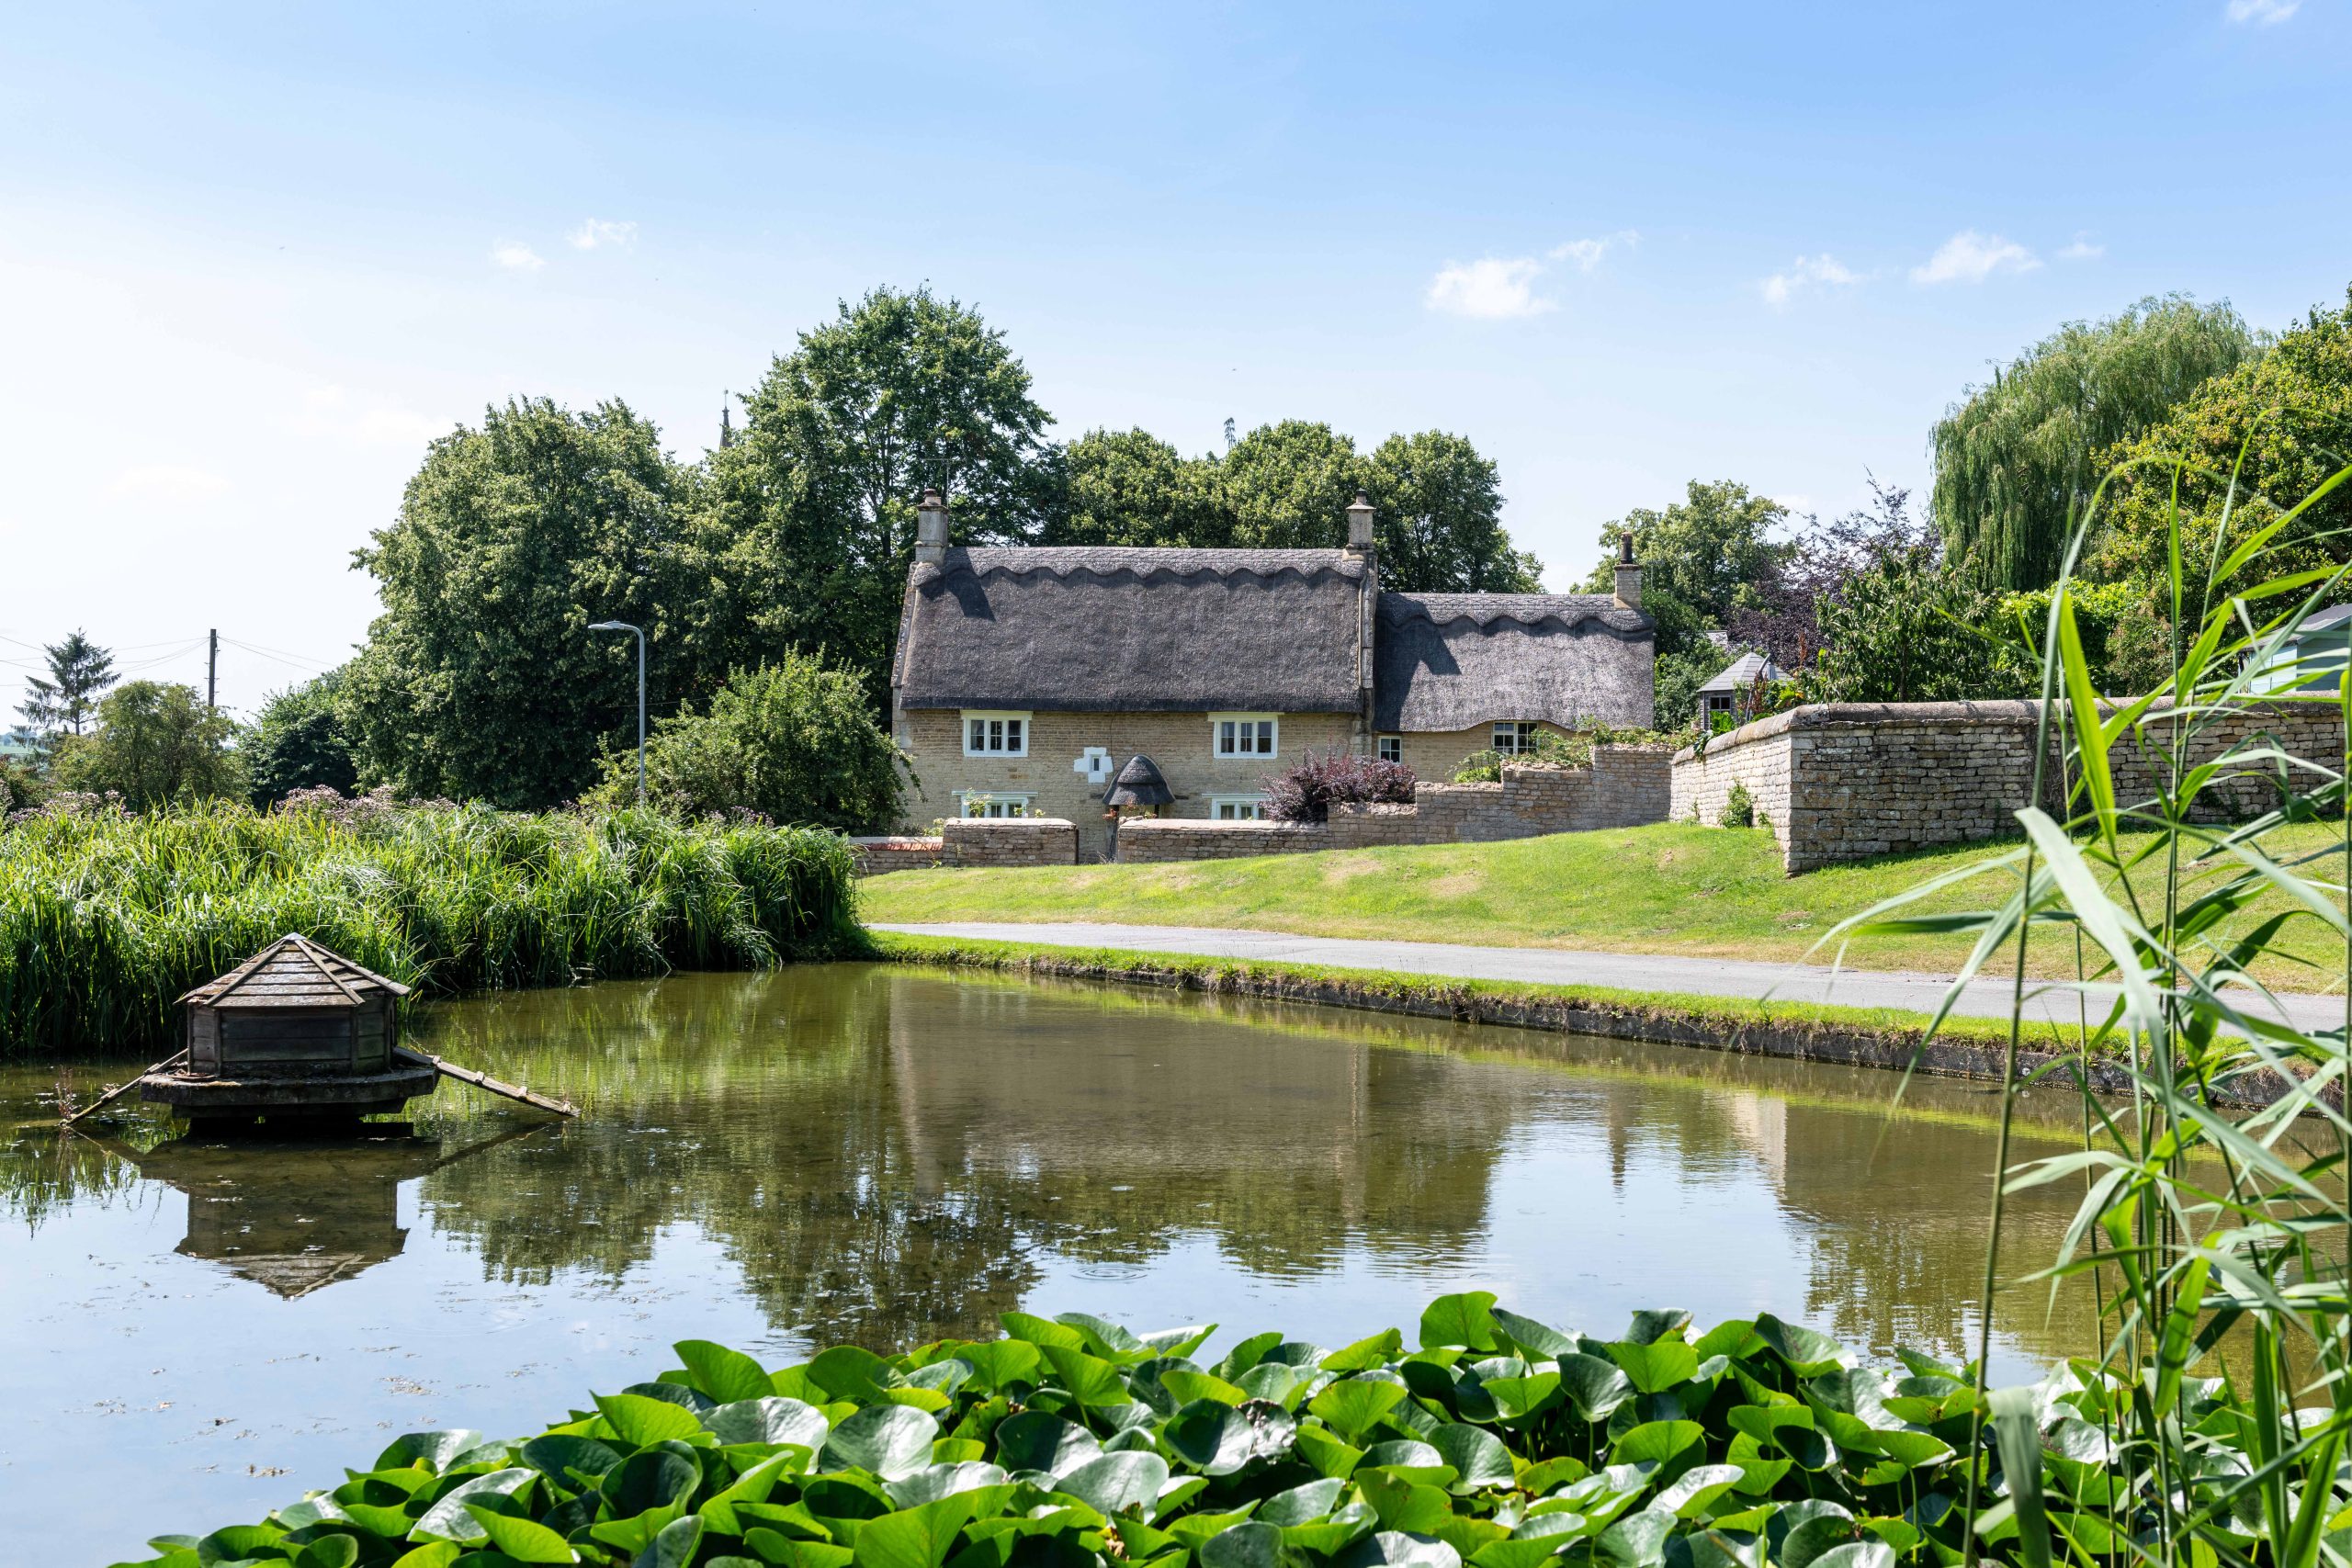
(197, 1333)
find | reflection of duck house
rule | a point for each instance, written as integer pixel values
(295, 1031)
(293, 1219)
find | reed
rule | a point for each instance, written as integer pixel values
(2215, 1239)
(107, 917)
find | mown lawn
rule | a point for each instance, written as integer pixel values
(1666, 888)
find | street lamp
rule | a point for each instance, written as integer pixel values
(625, 626)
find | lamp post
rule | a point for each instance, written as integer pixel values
(625, 626)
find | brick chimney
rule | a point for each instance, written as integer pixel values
(1359, 525)
(1629, 572)
(931, 529)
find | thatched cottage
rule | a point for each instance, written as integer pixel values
(1025, 678)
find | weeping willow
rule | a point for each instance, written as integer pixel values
(2015, 462)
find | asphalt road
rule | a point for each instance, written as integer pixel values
(1625, 971)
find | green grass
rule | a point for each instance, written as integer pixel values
(1669, 889)
(106, 918)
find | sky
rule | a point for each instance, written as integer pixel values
(253, 257)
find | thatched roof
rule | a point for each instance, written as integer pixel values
(1109, 630)
(1138, 783)
(295, 972)
(1449, 661)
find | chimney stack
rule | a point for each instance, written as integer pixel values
(931, 529)
(1629, 572)
(1359, 525)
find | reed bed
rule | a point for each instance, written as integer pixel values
(107, 917)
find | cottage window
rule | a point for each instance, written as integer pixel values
(1244, 734)
(1237, 807)
(1514, 736)
(1392, 749)
(993, 803)
(995, 734)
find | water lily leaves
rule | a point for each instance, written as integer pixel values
(1355, 1405)
(943, 1481)
(1276, 1383)
(525, 1541)
(1177, 1342)
(1696, 1489)
(848, 1372)
(434, 1450)
(1807, 1353)
(1462, 1319)
(237, 1542)
(1090, 1378)
(1660, 1442)
(1327, 1537)
(1478, 1456)
(893, 1441)
(451, 1519)
(1516, 1398)
(770, 1418)
(432, 1554)
(1326, 1453)
(1637, 1541)
(1404, 1505)
(1186, 1385)
(1249, 1544)
(1111, 1483)
(1248, 1354)
(673, 1547)
(565, 1458)
(336, 1551)
(1655, 1366)
(641, 1421)
(1218, 1439)
(648, 1482)
(1301, 1505)
(1396, 1549)
(775, 1546)
(1105, 1339)
(1043, 1332)
(1596, 1387)
(1537, 1341)
(724, 1375)
(917, 1537)
(1039, 1440)
(1516, 1553)
(1726, 1548)
(1365, 1354)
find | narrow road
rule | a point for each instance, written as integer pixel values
(1624, 970)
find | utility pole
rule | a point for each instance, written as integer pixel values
(212, 672)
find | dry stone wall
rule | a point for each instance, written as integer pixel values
(1847, 781)
(897, 852)
(1008, 841)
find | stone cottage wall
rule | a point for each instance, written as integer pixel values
(1847, 781)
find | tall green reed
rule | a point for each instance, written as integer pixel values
(106, 917)
(2214, 1236)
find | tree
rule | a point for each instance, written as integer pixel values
(815, 499)
(79, 673)
(1129, 488)
(1895, 623)
(1440, 519)
(2289, 413)
(297, 741)
(155, 745)
(2015, 462)
(480, 680)
(795, 741)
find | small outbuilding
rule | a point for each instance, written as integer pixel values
(1725, 693)
(1138, 783)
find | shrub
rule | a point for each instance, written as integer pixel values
(1551, 750)
(1739, 809)
(298, 742)
(1309, 788)
(155, 745)
(105, 917)
(792, 741)
(21, 787)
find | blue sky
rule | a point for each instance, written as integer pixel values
(253, 257)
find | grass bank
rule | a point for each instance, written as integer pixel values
(1671, 887)
(106, 918)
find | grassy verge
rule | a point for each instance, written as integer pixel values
(106, 918)
(1670, 888)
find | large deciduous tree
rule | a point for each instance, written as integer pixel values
(2016, 460)
(297, 741)
(155, 745)
(481, 679)
(816, 498)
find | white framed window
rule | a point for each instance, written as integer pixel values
(1244, 734)
(1513, 736)
(995, 734)
(1237, 807)
(992, 803)
(1391, 749)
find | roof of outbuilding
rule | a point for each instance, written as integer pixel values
(1138, 783)
(295, 972)
(1101, 629)
(1449, 661)
(1742, 673)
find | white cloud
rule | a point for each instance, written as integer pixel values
(2262, 13)
(1823, 271)
(165, 481)
(2083, 248)
(328, 413)
(516, 256)
(1970, 257)
(597, 232)
(1493, 289)
(1587, 254)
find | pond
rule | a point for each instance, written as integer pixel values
(198, 1331)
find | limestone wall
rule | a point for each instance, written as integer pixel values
(1010, 841)
(897, 852)
(1847, 781)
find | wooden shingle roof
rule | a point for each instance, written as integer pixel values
(294, 972)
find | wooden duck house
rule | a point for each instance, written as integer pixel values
(295, 1031)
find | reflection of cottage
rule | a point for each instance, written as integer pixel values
(1020, 674)
(2312, 655)
(1729, 689)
